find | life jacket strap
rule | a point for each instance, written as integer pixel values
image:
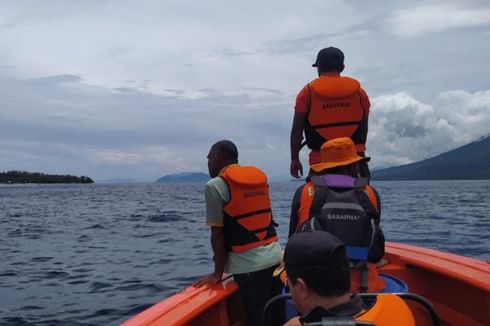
(260, 229)
(251, 245)
(364, 278)
(274, 222)
(318, 181)
(361, 182)
(362, 267)
(336, 124)
(262, 211)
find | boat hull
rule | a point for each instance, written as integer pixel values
(458, 287)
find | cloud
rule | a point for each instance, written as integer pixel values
(228, 53)
(55, 80)
(115, 89)
(144, 155)
(230, 47)
(437, 18)
(58, 117)
(265, 90)
(61, 124)
(405, 130)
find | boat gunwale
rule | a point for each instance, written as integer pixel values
(469, 270)
(185, 297)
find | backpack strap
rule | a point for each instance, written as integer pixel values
(363, 275)
(361, 182)
(318, 181)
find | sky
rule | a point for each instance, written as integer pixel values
(140, 89)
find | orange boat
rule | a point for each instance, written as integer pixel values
(458, 288)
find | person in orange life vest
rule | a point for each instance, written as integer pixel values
(340, 203)
(318, 279)
(329, 107)
(243, 235)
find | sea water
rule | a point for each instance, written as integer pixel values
(98, 254)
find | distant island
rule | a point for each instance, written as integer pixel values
(12, 177)
(184, 177)
(468, 162)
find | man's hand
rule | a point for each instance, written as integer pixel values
(208, 280)
(295, 168)
(217, 242)
(293, 322)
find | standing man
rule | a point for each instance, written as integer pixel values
(243, 236)
(329, 107)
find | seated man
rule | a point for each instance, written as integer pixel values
(336, 201)
(318, 278)
(339, 200)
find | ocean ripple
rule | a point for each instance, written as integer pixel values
(87, 255)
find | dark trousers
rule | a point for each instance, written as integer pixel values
(255, 290)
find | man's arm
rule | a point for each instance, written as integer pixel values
(214, 219)
(218, 245)
(294, 218)
(362, 130)
(363, 125)
(295, 143)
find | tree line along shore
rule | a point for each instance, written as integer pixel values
(14, 177)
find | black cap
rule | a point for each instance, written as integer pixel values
(312, 248)
(329, 58)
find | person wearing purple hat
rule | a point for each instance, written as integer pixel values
(329, 107)
(335, 200)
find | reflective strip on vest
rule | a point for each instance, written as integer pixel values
(344, 206)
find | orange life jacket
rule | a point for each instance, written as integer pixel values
(389, 309)
(380, 309)
(247, 215)
(335, 111)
